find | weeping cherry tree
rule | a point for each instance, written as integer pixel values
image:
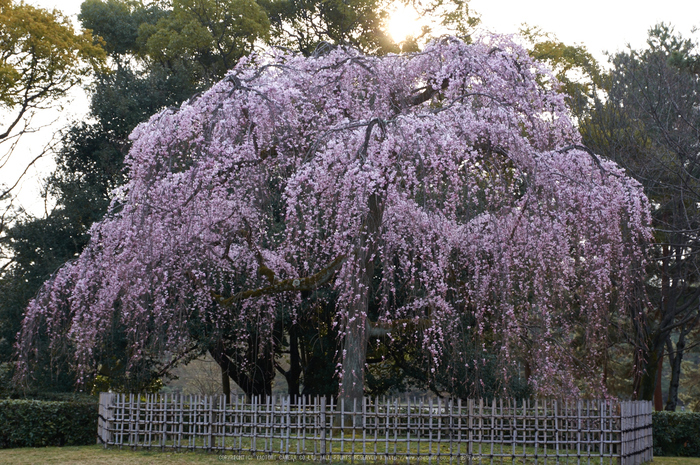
(434, 185)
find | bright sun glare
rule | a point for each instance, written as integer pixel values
(403, 22)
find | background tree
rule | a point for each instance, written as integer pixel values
(41, 59)
(575, 68)
(649, 123)
(432, 177)
(304, 24)
(206, 35)
(690, 379)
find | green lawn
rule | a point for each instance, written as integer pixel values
(677, 460)
(89, 455)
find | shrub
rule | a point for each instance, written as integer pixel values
(35, 423)
(676, 434)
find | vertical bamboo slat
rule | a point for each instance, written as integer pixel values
(121, 411)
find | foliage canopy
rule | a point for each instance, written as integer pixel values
(41, 57)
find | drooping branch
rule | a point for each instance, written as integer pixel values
(309, 283)
(590, 152)
(177, 359)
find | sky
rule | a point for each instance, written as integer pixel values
(600, 25)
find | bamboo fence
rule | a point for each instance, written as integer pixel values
(388, 430)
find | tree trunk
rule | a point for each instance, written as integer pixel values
(226, 385)
(356, 327)
(528, 371)
(293, 375)
(355, 346)
(645, 383)
(255, 383)
(658, 396)
(605, 369)
(675, 358)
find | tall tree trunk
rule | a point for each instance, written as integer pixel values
(675, 358)
(226, 385)
(665, 302)
(356, 327)
(355, 346)
(658, 396)
(646, 377)
(293, 375)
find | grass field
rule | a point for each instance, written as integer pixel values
(89, 455)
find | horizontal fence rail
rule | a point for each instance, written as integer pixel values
(388, 430)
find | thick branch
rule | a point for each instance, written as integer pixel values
(309, 283)
(428, 93)
(398, 326)
(164, 370)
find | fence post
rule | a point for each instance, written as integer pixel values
(623, 432)
(104, 420)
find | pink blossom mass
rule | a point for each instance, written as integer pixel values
(429, 185)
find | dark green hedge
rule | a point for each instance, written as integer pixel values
(36, 423)
(676, 434)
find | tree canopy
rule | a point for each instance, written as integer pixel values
(41, 59)
(451, 180)
(648, 123)
(303, 25)
(213, 35)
